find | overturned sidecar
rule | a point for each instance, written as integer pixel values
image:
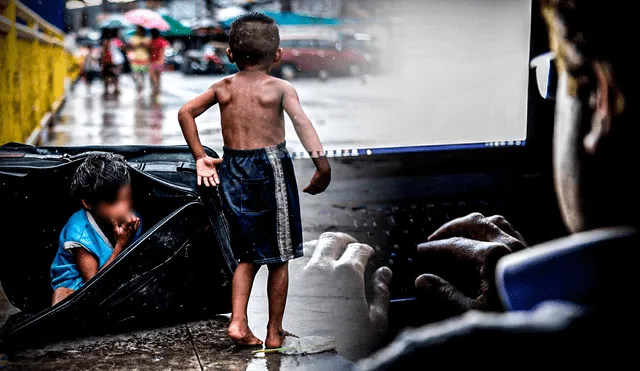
(179, 269)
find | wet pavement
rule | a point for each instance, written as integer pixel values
(340, 109)
(196, 346)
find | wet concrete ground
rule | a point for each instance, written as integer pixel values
(196, 346)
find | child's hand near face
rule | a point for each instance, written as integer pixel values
(125, 230)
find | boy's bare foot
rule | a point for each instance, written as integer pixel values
(240, 333)
(275, 338)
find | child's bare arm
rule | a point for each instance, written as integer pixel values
(205, 165)
(187, 119)
(309, 138)
(86, 262)
(302, 124)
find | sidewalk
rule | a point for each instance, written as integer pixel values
(196, 346)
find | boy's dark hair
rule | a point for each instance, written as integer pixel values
(254, 39)
(99, 178)
(155, 33)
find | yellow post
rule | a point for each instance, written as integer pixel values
(29, 82)
(4, 95)
(9, 106)
(35, 82)
(33, 68)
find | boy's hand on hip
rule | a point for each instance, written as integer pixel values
(124, 230)
(319, 182)
(206, 170)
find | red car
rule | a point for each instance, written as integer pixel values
(320, 57)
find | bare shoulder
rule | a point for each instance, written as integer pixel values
(224, 82)
(221, 84)
(283, 86)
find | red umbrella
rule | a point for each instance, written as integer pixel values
(147, 19)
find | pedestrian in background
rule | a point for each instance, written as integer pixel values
(119, 58)
(90, 67)
(107, 65)
(139, 45)
(111, 61)
(158, 45)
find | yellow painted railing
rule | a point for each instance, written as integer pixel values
(34, 66)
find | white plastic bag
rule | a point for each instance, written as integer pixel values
(308, 344)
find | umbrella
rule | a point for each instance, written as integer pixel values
(114, 21)
(175, 28)
(147, 19)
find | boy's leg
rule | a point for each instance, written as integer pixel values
(277, 289)
(116, 82)
(105, 81)
(138, 78)
(154, 80)
(241, 289)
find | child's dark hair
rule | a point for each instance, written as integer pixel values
(99, 178)
(254, 39)
(155, 33)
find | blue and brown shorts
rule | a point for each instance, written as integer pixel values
(262, 205)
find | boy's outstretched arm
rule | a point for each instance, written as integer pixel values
(309, 138)
(205, 165)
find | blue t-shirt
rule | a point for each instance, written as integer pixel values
(81, 231)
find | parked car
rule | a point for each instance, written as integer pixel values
(310, 56)
(203, 60)
(172, 59)
(368, 46)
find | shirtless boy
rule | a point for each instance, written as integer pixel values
(257, 179)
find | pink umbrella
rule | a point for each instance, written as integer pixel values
(147, 19)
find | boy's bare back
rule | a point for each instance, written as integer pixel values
(252, 104)
(251, 109)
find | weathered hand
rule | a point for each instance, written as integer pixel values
(206, 171)
(462, 256)
(334, 281)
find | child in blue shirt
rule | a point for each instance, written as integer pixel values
(96, 234)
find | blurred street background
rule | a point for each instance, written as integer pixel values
(429, 69)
